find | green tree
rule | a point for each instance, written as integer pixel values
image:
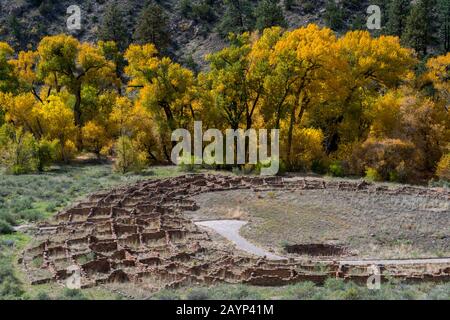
(269, 14)
(419, 27)
(203, 11)
(288, 4)
(185, 7)
(334, 15)
(397, 15)
(113, 26)
(15, 27)
(152, 27)
(238, 17)
(444, 24)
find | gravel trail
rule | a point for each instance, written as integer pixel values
(229, 229)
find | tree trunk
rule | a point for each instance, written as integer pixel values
(249, 123)
(77, 116)
(303, 103)
(290, 134)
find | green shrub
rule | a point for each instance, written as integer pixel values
(167, 294)
(46, 153)
(128, 156)
(5, 227)
(443, 168)
(10, 286)
(73, 294)
(198, 294)
(334, 284)
(234, 292)
(373, 175)
(319, 166)
(43, 296)
(352, 293)
(7, 215)
(21, 153)
(302, 291)
(394, 176)
(336, 169)
(18, 150)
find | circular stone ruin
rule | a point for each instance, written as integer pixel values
(143, 236)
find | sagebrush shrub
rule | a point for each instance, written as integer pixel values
(5, 227)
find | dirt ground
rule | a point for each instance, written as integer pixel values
(367, 225)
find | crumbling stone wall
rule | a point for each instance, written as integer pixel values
(139, 234)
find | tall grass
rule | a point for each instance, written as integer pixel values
(333, 289)
(34, 197)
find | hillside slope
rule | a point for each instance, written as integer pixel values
(193, 25)
(24, 22)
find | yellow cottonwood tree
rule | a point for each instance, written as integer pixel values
(66, 63)
(302, 61)
(364, 68)
(21, 111)
(58, 123)
(8, 82)
(409, 118)
(165, 87)
(439, 74)
(25, 71)
(238, 75)
(134, 121)
(94, 137)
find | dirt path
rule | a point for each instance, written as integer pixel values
(396, 261)
(229, 229)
